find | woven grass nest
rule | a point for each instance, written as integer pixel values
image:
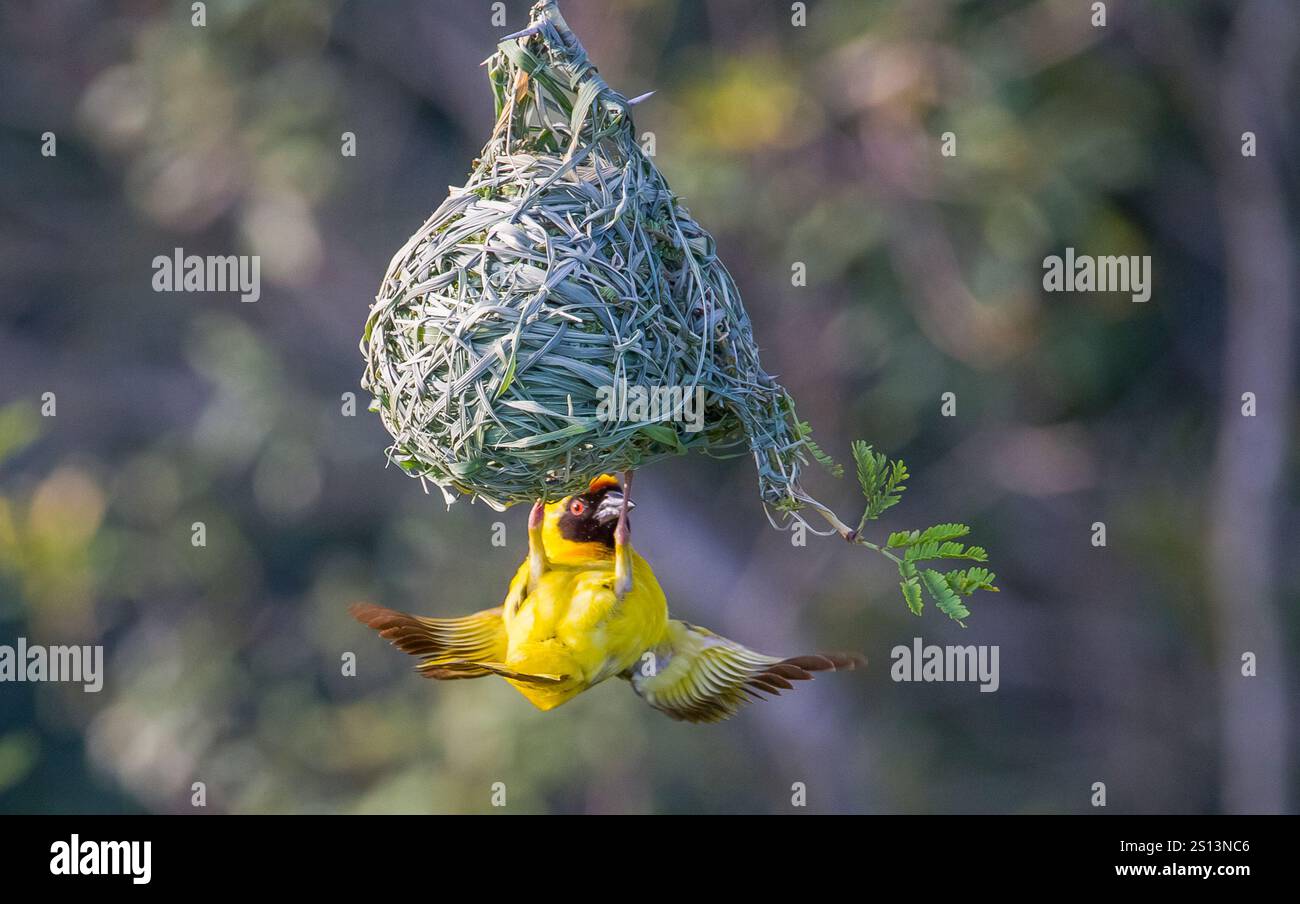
(564, 267)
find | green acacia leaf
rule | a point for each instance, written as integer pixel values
(882, 481)
(968, 581)
(944, 596)
(919, 552)
(922, 550)
(819, 455)
(942, 532)
(912, 594)
(902, 538)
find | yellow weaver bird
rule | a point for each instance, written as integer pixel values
(583, 607)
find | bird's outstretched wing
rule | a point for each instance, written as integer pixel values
(696, 676)
(468, 647)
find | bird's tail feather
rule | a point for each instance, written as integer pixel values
(461, 669)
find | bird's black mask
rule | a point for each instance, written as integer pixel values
(592, 516)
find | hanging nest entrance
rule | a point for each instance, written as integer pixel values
(563, 274)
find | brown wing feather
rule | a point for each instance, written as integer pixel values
(451, 648)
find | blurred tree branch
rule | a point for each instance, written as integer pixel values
(1225, 98)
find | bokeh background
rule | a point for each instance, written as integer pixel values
(818, 144)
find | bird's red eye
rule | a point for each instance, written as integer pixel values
(577, 506)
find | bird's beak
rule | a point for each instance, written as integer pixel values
(610, 506)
